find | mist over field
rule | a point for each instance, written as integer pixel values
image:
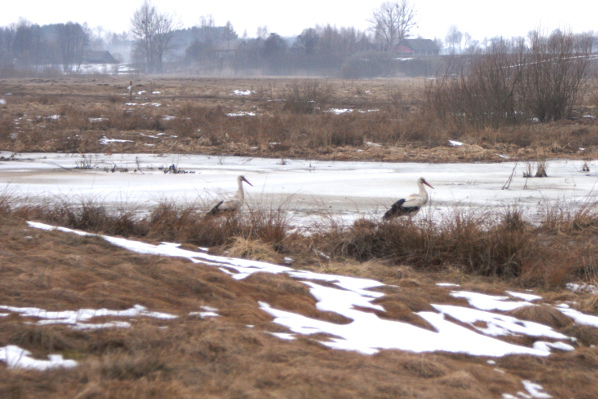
(156, 42)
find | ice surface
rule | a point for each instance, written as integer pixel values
(306, 189)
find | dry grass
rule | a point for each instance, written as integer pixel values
(291, 120)
(542, 314)
(222, 357)
(547, 253)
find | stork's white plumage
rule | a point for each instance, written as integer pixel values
(231, 205)
(411, 205)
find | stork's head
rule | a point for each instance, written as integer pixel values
(242, 178)
(423, 181)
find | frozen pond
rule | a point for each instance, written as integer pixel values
(306, 188)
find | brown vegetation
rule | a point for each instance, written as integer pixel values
(222, 357)
(388, 120)
(547, 253)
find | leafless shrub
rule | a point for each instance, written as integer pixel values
(307, 97)
(554, 76)
(479, 89)
(511, 82)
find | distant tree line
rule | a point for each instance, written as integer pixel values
(322, 49)
(160, 46)
(156, 43)
(30, 46)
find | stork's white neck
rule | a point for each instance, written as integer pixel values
(422, 191)
(240, 193)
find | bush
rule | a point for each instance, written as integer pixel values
(511, 82)
(555, 72)
(307, 97)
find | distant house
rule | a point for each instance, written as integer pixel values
(98, 57)
(417, 47)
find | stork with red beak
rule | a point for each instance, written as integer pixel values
(411, 205)
(232, 205)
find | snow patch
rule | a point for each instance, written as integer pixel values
(104, 141)
(18, 358)
(368, 333)
(243, 92)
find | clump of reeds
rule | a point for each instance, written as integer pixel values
(464, 241)
(541, 167)
(167, 221)
(508, 246)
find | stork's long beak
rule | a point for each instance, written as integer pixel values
(247, 181)
(426, 183)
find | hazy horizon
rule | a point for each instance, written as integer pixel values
(434, 17)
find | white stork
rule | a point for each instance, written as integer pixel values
(231, 205)
(411, 205)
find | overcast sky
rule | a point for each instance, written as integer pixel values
(479, 18)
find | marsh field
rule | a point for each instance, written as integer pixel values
(115, 283)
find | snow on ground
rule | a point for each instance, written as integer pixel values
(15, 357)
(105, 141)
(345, 190)
(80, 319)
(243, 92)
(489, 302)
(350, 297)
(241, 113)
(339, 111)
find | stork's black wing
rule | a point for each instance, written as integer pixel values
(216, 210)
(397, 209)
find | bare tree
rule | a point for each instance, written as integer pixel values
(453, 39)
(229, 34)
(555, 74)
(154, 32)
(392, 22)
(73, 40)
(262, 32)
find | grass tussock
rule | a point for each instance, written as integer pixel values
(466, 241)
(543, 314)
(253, 249)
(510, 247)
